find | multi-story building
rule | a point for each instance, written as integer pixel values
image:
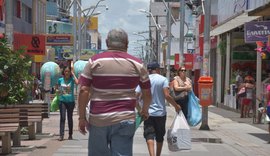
(158, 15)
(65, 35)
(23, 22)
(236, 29)
(235, 50)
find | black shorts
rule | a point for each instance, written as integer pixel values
(155, 128)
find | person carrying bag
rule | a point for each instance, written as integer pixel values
(182, 85)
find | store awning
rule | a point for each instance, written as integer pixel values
(232, 23)
(261, 11)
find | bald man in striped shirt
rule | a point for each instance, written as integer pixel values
(112, 76)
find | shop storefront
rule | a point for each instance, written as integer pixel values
(234, 54)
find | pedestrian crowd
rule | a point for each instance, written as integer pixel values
(114, 84)
(246, 97)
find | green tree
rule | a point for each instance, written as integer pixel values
(15, 77)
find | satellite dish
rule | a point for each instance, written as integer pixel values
(175, 29)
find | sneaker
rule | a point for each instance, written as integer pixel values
(61, 138)
(70, 137)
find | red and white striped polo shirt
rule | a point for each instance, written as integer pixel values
(113, 76)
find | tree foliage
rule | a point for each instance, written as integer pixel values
(15, 77)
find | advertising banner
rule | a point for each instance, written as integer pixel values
(88, 53)
(257, 31)
(176, 61)
(33, 44)
(188, 63)
(58, 27)
(59, 39)
(93, 24)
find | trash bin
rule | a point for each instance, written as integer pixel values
(205, 90)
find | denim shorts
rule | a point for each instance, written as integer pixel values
(113, 140)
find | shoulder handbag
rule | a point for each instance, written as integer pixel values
(242, 92)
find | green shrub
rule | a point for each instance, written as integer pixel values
(15, 77)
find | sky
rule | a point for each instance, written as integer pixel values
(122, 14)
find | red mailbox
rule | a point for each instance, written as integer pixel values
(205, 90)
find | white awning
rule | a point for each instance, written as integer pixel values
(232, 23)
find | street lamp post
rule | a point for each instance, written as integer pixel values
(146, 47)
(142, 48)
(77, 31)
(74, 31)
(84, 28)
(181, 40)
(87, 18)
(159, 35)
(168, 54)
(206, 50)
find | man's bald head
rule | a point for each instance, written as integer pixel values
(117, 39)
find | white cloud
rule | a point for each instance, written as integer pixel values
(139, 1)
(121, 13)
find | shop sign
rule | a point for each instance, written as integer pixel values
(88, 53)
(59, 39)
(38, 58)
(33, 44)
(188, 63)
(197, 61)
(67, 52)
(58, 27)
(257, 31)
(176, 61)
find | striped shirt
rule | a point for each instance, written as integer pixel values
(113, 77)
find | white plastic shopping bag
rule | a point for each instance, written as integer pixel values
(178, 135)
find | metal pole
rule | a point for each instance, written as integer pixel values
(142, 55)
(206, 50)
(74, 31)
(181, 40)
(146, 46)
(206, 44)
(167, 7)
(84, 40)
(168, 54)
(79, 31)
(157, 39)
(9, 23)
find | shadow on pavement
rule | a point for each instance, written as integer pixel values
(262, 136)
